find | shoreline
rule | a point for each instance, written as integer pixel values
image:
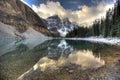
(112, 41)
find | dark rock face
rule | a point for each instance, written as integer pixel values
(60, 26)
(53, 23)
(16, 13)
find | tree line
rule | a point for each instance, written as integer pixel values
(106, 27)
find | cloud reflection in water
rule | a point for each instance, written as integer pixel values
(86, 59)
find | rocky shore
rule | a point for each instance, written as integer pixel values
(111, 71)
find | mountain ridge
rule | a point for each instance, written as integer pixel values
(18, 14)
(60, 26)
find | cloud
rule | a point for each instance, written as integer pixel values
(25, 2)
(49, 9)
(86, 15)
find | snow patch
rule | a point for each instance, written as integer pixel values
(63, 32)
(112, 41)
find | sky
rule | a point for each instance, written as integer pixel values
(81, 12)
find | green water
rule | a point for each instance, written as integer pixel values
(17, 57)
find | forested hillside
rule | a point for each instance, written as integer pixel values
(108, 26)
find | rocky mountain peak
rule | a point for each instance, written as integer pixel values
(18, 14)
(60, 26)
(54, 17)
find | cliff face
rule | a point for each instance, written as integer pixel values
(16, 13)
(60, 26)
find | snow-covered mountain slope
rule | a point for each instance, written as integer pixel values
(7, 31)
(62, 26)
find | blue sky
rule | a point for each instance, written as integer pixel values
(69, 4)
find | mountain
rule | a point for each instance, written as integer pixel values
(8, 31)
(21, 17)
(60, 26)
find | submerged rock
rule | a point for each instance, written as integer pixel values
(71, 71)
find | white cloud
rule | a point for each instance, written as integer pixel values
(52, 8)
(25, 2)
(85, 16)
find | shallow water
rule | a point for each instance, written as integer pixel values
(20, 58)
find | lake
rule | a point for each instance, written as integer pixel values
(58, 59)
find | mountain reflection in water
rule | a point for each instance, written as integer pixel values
(63, 54)
(86, 59)
(33, 56)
